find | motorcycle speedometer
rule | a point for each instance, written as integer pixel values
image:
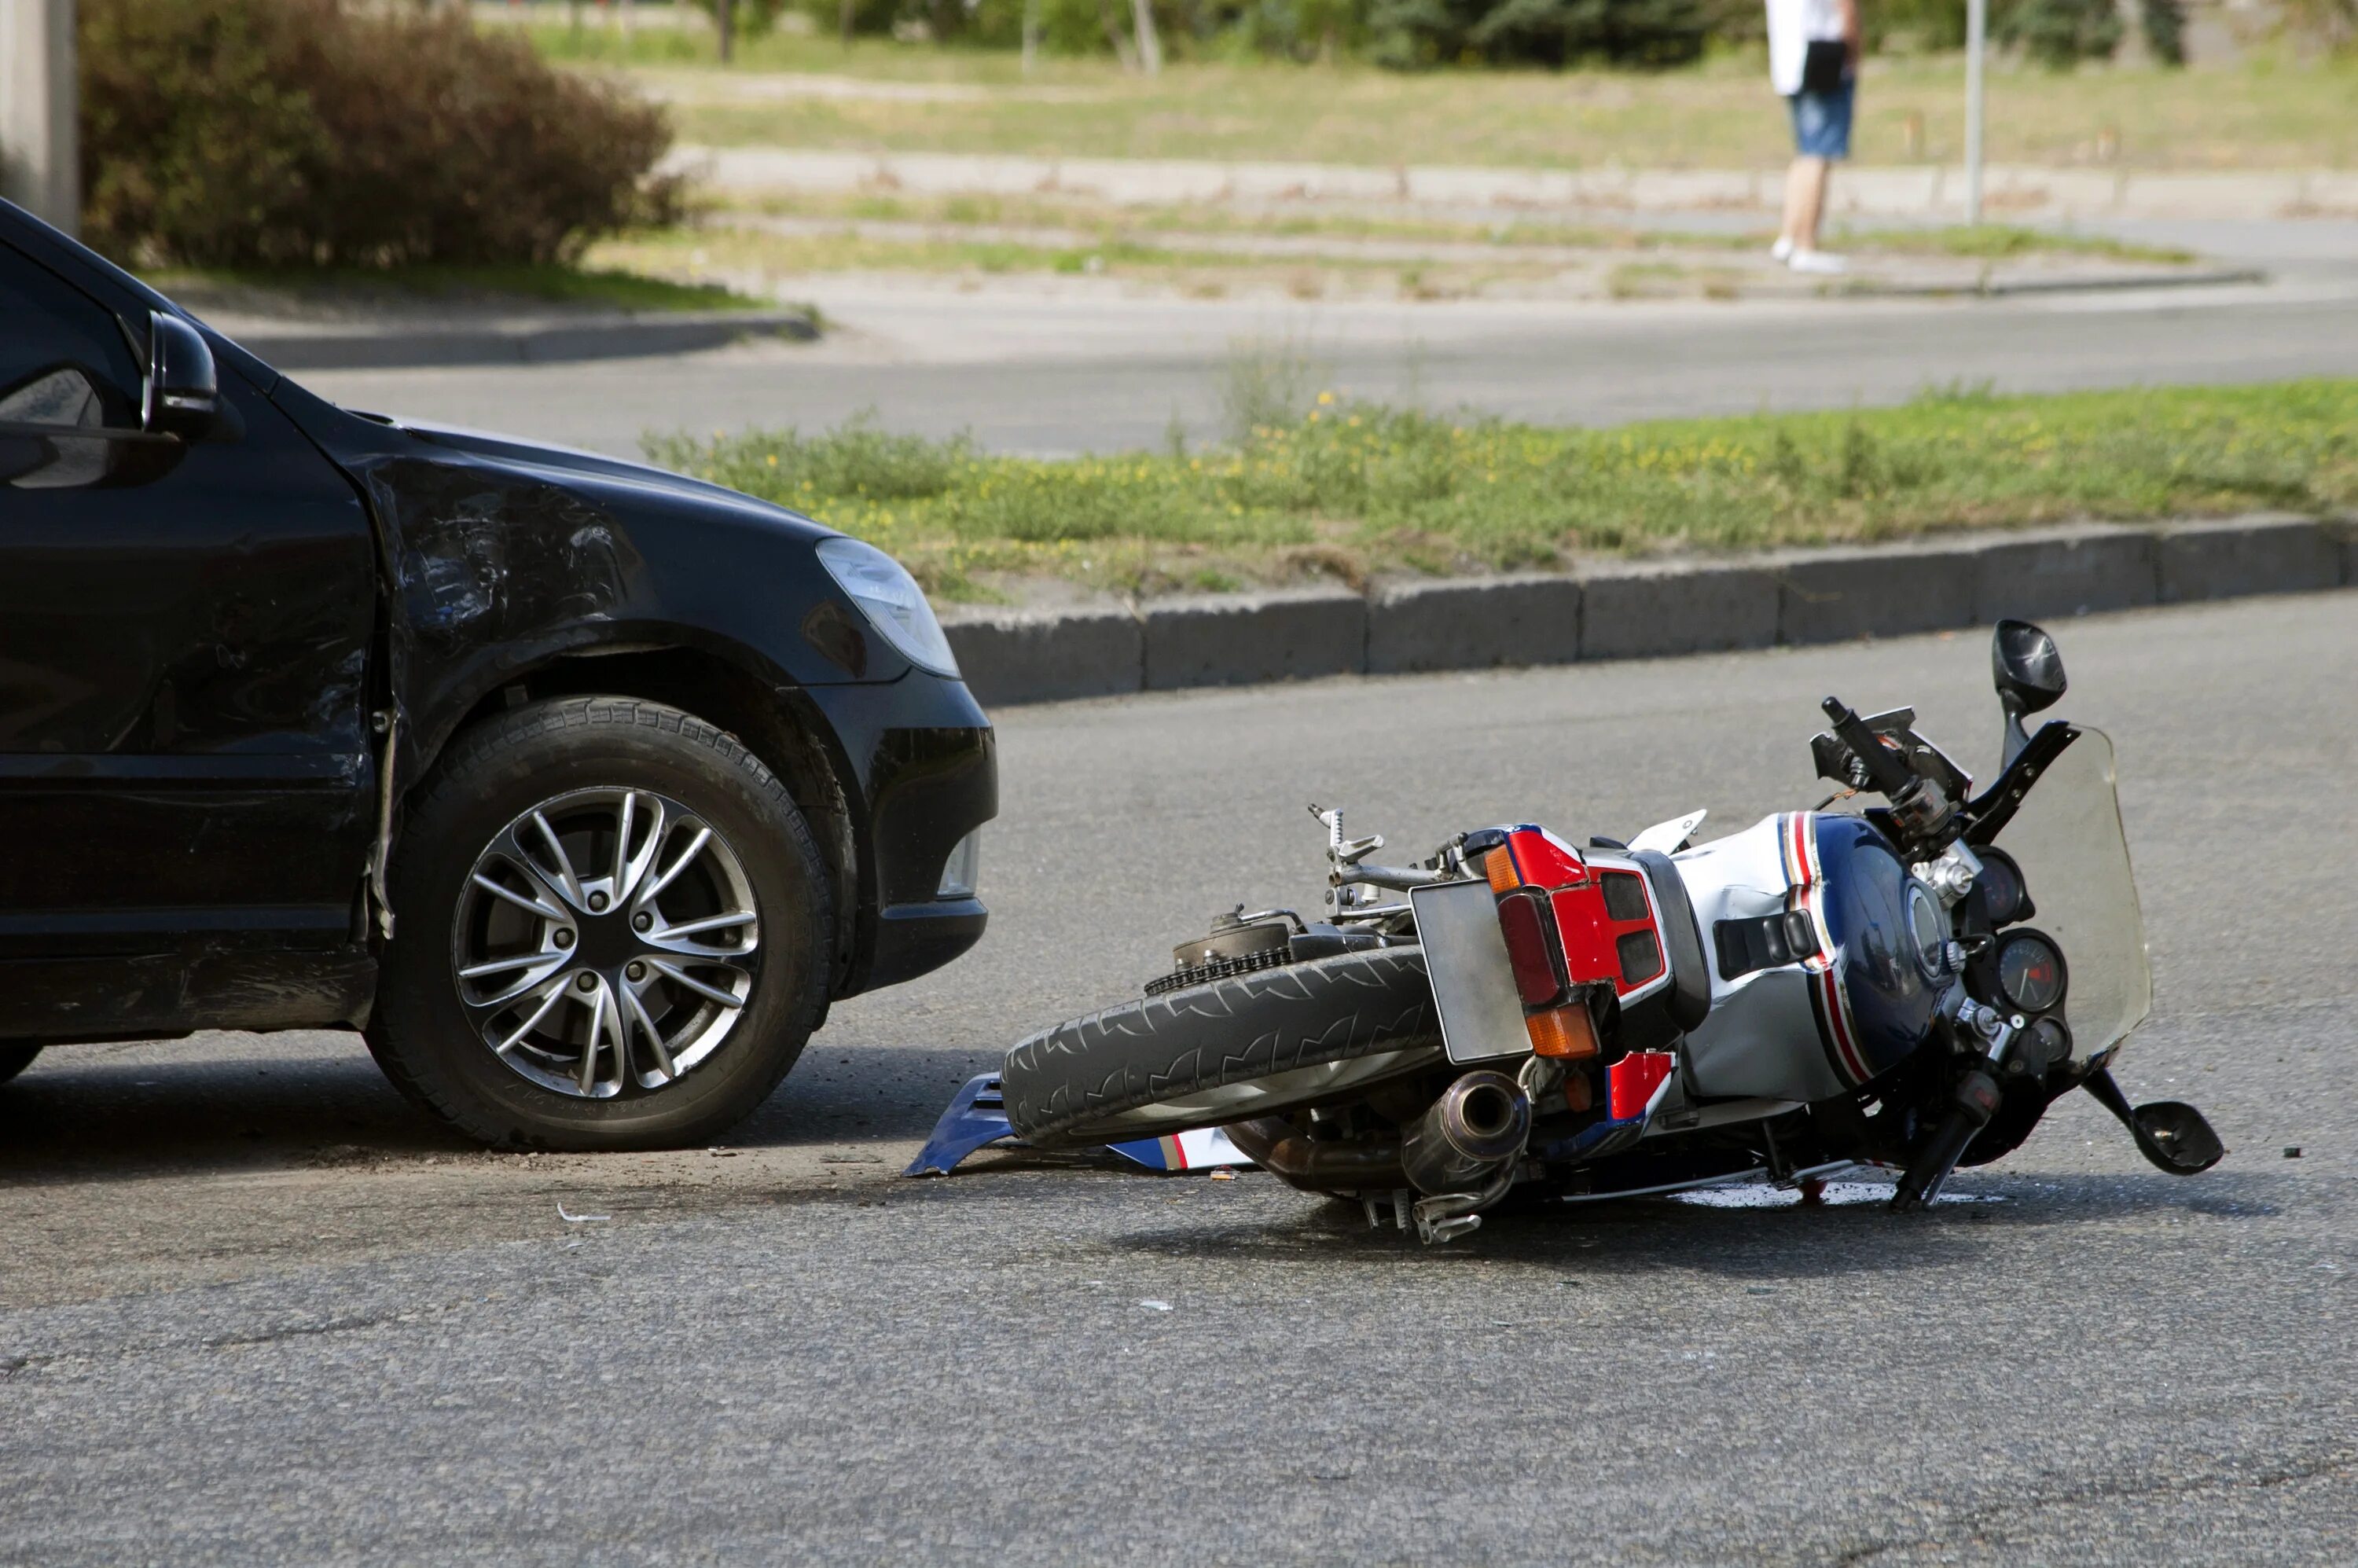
(2031, 972)
(1998, 890)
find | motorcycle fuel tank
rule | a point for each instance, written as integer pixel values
(1825, 957)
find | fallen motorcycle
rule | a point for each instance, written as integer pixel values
(1909, 985)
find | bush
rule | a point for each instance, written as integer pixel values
(2059, 33)
(1542, 32)
(2165, 29)
(277, 132)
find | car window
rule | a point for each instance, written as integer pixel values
(63, 360)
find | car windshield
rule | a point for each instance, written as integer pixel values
(2076, 863)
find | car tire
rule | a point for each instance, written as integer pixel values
(14, 1059)
(516, 804)
(1229, 1050)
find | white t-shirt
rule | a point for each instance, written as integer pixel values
(1793, 25)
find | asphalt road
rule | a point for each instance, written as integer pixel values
(250, 1309)
(1087, 369)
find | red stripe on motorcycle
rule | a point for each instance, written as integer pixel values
(1829, 1001)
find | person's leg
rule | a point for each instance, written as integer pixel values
(1821, 135)
(1805, 202)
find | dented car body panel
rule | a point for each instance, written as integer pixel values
(213, 660)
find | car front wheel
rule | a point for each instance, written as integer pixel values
(611, 931)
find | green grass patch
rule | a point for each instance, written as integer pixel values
(2271, 110)
(610, 287)
(1347, 488)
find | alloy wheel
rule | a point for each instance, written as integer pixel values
(606, 942)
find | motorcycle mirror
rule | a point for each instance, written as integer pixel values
(2170, 1133)
(2175, 1137)
(2027, 670)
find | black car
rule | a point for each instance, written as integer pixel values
(580, 788)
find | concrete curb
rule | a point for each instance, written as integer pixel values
(553, 340)
(2101, 282)
(1246, 638)
(1644, 610)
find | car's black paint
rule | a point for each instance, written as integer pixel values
(203, 651)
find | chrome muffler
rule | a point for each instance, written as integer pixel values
(1462, 1152)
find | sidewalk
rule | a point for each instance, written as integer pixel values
(2010, 193)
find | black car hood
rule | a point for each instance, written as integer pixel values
(546, 457)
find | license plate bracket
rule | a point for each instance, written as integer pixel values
(1473, 978)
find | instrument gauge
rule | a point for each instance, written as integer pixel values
(2030, 972)
(1998, 889)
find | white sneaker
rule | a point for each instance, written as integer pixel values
(1782, 250)
(1824, 264)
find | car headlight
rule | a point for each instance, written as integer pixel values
(964, 868)
(891, 600)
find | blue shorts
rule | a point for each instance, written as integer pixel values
(1822, 122)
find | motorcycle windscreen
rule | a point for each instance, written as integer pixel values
(2075, 865)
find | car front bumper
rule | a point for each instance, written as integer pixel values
(926, 764)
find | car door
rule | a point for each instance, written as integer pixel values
(185, 770)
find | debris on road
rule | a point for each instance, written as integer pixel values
(579, 1218)
(977, 1117)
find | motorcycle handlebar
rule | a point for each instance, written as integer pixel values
(1884, 767)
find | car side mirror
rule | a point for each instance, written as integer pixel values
(182, 396)
(2027, 670)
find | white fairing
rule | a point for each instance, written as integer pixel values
(1762, 1037)
(1670, 837)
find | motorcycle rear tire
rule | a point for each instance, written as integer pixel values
(1248, 1046)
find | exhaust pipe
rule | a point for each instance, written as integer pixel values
(1461, 1153)
(1316, 1165)
(1472, 1134)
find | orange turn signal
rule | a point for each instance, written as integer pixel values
(1562, 1031)
(1498, 865)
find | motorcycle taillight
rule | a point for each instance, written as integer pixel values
(1530, 931)
(1565, 1032)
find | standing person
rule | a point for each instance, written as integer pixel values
(1813, 49)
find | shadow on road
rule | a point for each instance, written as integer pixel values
(1785, 1241)
(316, 1099)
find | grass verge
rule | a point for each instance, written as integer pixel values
(1347, 490)
(1437, 261)
(2270, 111)
(1108, 222)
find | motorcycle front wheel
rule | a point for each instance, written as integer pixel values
(1248, 1045)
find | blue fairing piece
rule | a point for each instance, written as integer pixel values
(1892, 998)
(977, 1116)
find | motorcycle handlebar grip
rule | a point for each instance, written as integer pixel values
(1976, 1102)
(1884, 768)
